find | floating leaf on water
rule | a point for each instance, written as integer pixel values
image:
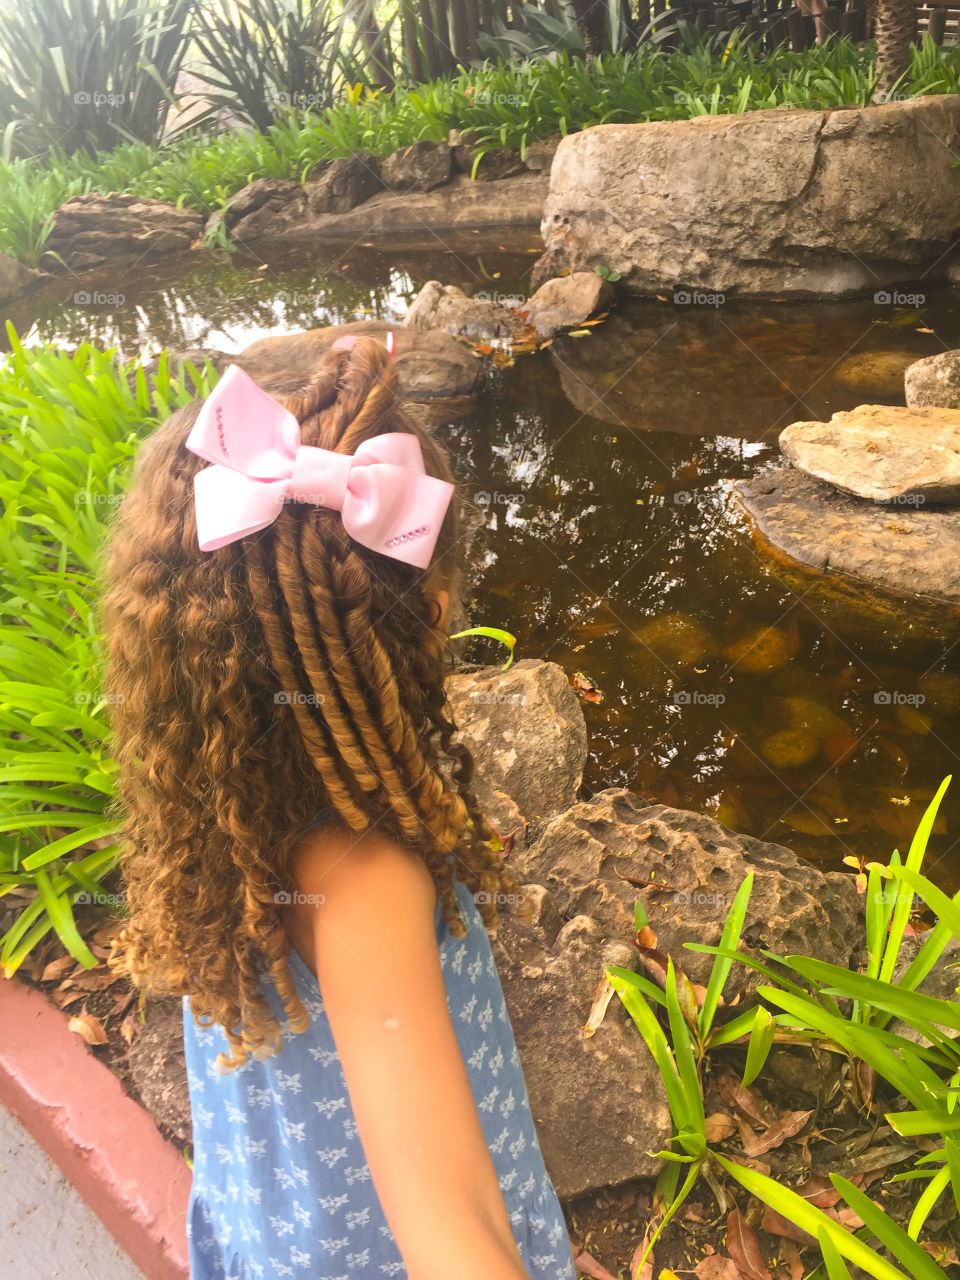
(578, 333)
(585, 687)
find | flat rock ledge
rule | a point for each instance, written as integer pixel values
(780, 203)
(906, 551)
(890, 455)
(441, 217)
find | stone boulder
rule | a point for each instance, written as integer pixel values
(602, 855)
(419, 167)
(567, 301)
(934, 382)
(495, 163)
(907, 552)
(432, 367)
(269, 197)
(158, 1068)
(539, 155)
(444, 306)
(598, 1101)
(526, 731)
(93, 228)
(887, 454)
(16, 279)
(344, 184)
(777, 203)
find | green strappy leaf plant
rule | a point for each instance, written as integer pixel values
(70, 425)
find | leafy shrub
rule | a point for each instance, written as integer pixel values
(913, 1065)
(88, 73)
(69, 427)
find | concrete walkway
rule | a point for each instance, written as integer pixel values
(48, 1232)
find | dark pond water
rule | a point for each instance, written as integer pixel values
(817, 718)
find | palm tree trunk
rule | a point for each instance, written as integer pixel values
(895, 31)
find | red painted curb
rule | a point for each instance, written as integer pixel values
(103, 1141)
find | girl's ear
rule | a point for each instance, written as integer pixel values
(441, 600)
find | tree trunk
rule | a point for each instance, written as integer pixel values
(895, 31)
(371, 37)
(589, 17)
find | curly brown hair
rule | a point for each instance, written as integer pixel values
(288, 675)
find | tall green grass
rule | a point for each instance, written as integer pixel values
(502, 105)
(69, 427)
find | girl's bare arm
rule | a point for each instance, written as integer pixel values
(370, 926)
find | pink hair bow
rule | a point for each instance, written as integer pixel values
(386, 500)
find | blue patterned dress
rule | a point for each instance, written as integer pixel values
(281, 1187)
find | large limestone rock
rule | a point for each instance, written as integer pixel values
(432, 367)
(907, 551)
(526, 731)
(934, 382)
(598, 1101)
(777, 203)
(93, 228)
(444, 306)
(567, 301)
(602, 855)
(887, 454)
(16, 279)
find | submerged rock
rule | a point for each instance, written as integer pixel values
(776, 203)
(16, 279)
(419, 167)
(526, 731)
(567, 301)
(93, 228)
(765, 649)
(602, 855)
(908, 551)
(874, 373)
(444, 306)
(934, 382)
(598, 1101)
(887, 454)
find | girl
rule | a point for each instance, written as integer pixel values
(301, 865)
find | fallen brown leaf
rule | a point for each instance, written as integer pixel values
(775, 1224)
(788, 1126)
(719, 1126)
(601, 1000)
(641, 1268)
(790, 1255)
(587, 1265)
(89, 1027)
(743, 1244)
(716, 1267)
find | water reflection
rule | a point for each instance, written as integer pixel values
(601, 472)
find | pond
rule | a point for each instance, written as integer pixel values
(713, 677)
